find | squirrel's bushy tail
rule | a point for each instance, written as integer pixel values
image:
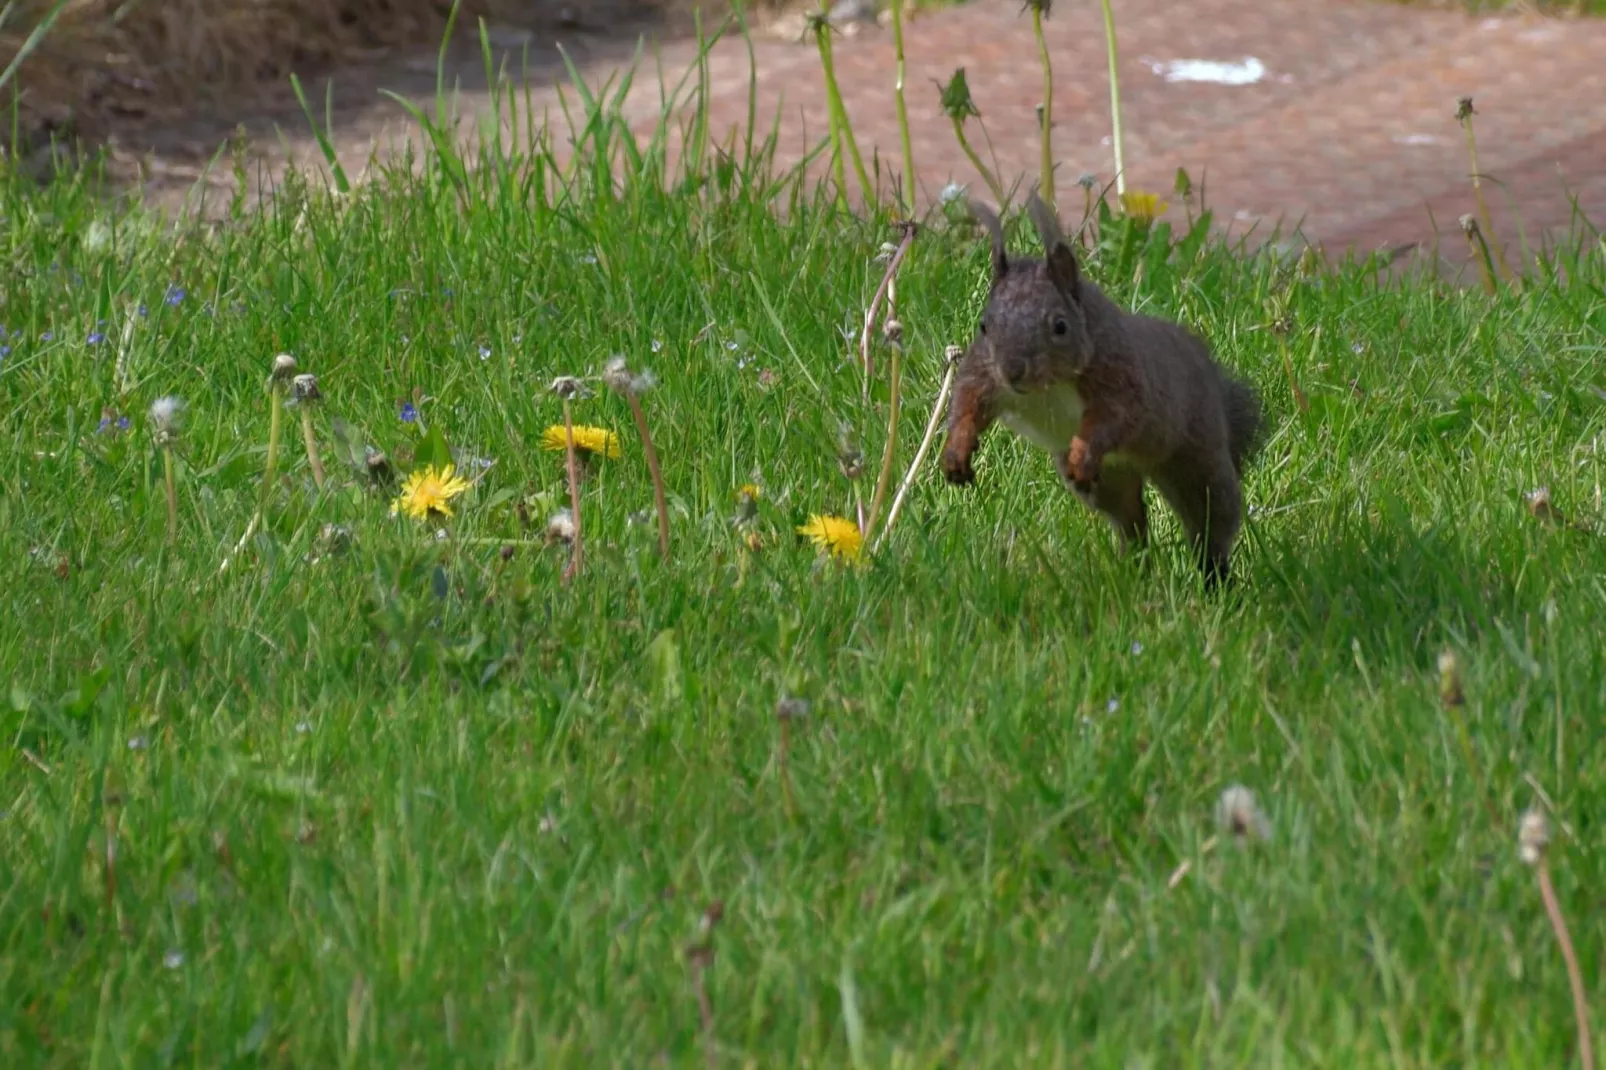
(1245, 420)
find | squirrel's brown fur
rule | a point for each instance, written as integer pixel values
(1118, 398)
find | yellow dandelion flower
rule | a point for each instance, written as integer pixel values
(835, 534)
(1144, 207)
(750, 491)
(588, 440)
(429, 492)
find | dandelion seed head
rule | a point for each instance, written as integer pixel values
(304, 388)
(953, 192)
(167, 413)
(284, 368)
(1237, 812)
(793, 708)
(1533, 837)
(173, 959)
(570, 388)
(560, 527)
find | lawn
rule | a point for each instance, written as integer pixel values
(344, 787)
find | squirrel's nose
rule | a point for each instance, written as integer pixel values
(1014, 370)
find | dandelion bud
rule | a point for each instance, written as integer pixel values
(304, 389)
(1238, 813)
(167, 413)
(1087, 180)
(284, 369)
(1469, 225)
(1463, 109)
(1450, 692)
(953, 354)
(1533, 837)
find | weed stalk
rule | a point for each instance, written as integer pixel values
(1533, 847)
(952, 357)
(1115, 98)
(1040, 9)
(908, 207)
(1463, 114)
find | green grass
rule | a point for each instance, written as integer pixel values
(416, 803)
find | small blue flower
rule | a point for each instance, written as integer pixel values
(3, 332)
(95, 338)
(485, 352)
(144, 310)
(408, 413)
(105, 424)
(47, 336)
(5, 351)
(122, 423)
(175, 294)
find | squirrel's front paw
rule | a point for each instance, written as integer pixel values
(956, 467)
(1082, 465)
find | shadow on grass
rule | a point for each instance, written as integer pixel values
(1386, 588)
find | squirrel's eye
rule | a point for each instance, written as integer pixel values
(1060, 326)
(981, 325)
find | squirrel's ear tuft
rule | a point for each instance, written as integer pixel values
(1064, 273)
(1048, 225)
(1062, 269)
(995, 231)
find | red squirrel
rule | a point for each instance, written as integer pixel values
(1118, 398)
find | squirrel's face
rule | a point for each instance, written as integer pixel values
(1034, 333)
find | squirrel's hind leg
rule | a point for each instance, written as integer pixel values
(1208, 500)
(1118, 495)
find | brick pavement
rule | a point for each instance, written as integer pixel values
(1352, 129)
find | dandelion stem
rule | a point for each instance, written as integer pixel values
(1480, 251)
(786, 776)
(275, 423)
(975, 161)
(888, 452)
(1575, 977)
(1048, 100)
(1477, 189)
(920, 454)
(841, 128)
(903, 112)
(1293, 384)
(875, 302)
(1115, 100)
(575, 558)
(312, 447)
(660, 499)
(172, 495)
